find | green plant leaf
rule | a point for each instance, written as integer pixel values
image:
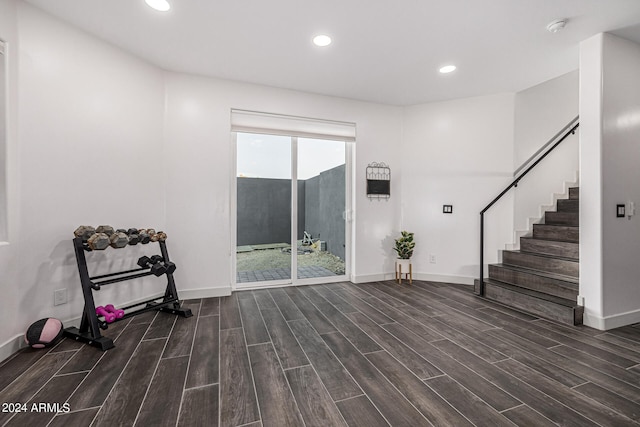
(404, 245)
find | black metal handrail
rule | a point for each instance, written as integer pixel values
(515, 182)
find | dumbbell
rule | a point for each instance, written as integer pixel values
(134, 237)
(168, 266)
(115, 311)
(119, 240)
(171, 267)
(144, 235)
(157, 268)
(160, 236)
(108, 317)
(106, 229)
(99, 241)
(84, 232)
(145, 261)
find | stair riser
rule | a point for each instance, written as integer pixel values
(559, 288)
(556, 232)
(551, 247)
(568, 205)
(562, 218)
(536, 306)
(574, 193)
(552, 265)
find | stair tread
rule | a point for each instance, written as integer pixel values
(531, 237)
(536, 254)
(570, 279)
(574, 193)
(553, 247)
(542, 239)
(535, 294)
(558, 232)
(564, 212)
(568, 205)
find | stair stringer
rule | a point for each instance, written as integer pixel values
(515, 245)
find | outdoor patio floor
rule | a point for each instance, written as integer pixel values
(282, 274)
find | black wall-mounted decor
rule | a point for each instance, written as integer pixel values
(378, 181)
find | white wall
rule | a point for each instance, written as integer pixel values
(3, 141)
(458, 153)
(540, 113)
(199, 171)
(90, 126)
(591, 180)
(621, 175)
(609, 246)
(10, 312)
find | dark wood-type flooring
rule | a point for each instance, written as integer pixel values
(369, 355)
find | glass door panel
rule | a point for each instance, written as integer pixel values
(263, 218)
(321, 179)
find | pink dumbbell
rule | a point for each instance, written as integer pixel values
(115, 311)
(108, 317)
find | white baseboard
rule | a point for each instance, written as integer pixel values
(203, 293)
(611, 322)
(462, 280)
(10, 347)
(16, 343)
(592, 321)
(373, 278)
(459, 280)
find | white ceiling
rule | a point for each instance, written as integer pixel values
(383, 51)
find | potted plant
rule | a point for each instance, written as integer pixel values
(404, 245)
(404, 248)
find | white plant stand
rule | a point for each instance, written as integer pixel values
(404, 265)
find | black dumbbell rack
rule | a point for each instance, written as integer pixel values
(90, 324)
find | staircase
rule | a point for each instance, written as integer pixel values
(542, 277)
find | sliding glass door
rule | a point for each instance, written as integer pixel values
(263, 188)
(321, 216)
(291, 199)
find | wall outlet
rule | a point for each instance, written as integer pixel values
(60, 296)
(432, 258)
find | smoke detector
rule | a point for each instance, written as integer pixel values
(556, 25)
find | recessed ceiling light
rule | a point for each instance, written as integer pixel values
(160, 5)
(322, 40)
(447, 69)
